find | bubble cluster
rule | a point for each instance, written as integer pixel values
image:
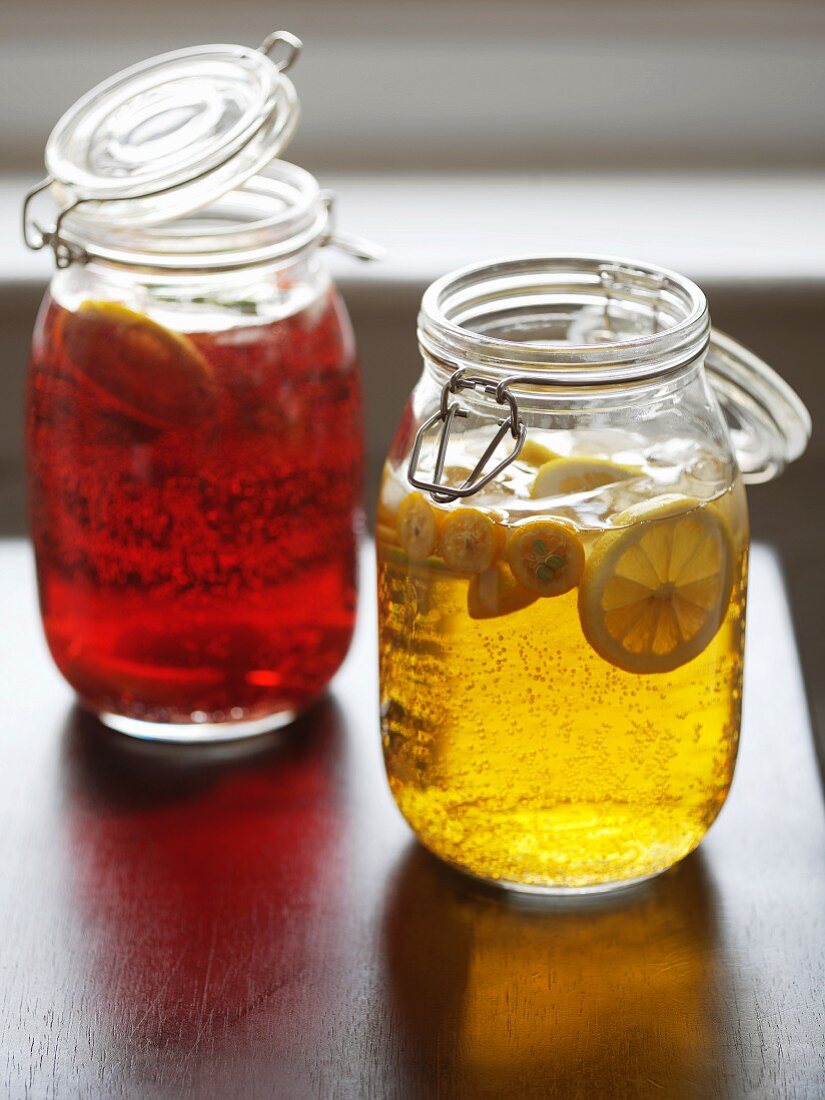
(519, 754)
(205, 567)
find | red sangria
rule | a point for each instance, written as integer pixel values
(193, 408)
(194, 504)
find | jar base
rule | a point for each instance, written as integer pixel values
(193, 733)
(590, 890)
(526, 890)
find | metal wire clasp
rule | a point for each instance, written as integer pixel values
(349, 243)
(616, 277)
(286, 47)
(37, 237)
(447, 413)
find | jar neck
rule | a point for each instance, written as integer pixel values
(537, 397)
(305, 266)
(277, 217)
(196, 301)
(562, 325)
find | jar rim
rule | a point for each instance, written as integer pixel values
(277, 214)
(519, 293)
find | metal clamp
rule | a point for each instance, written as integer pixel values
(615, 277)
(359, 247)
(37, 237)
(447, 413)
(293, 46)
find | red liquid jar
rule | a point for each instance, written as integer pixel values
(194, 441)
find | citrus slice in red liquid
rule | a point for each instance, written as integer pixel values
(145, 371)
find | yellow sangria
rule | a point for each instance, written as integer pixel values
(562, 575)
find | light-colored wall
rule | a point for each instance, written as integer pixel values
(472, 84)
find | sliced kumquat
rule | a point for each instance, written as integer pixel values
(417, 526)
(546, 556)
(469, 540)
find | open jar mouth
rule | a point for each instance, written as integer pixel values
(277, 214)
(581, 320)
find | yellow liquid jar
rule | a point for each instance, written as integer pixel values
(562, 544)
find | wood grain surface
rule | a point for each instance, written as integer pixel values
(256, 921)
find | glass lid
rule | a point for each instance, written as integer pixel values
(767, 420)
(173, 133)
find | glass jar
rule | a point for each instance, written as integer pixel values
(194, 429)
(562, 569)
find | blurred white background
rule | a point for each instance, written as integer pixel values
(690, 133)
(538, 85)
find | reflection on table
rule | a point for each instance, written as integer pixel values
(607, 996)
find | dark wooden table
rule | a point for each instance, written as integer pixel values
(256, 921)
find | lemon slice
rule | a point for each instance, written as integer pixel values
(655, 592)
(496, 592)
(564, 476)
(386, 534)
(417, 526)
(469, 540)
(146, 371)
(456, 475)
(546, 556)
(536, 454)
